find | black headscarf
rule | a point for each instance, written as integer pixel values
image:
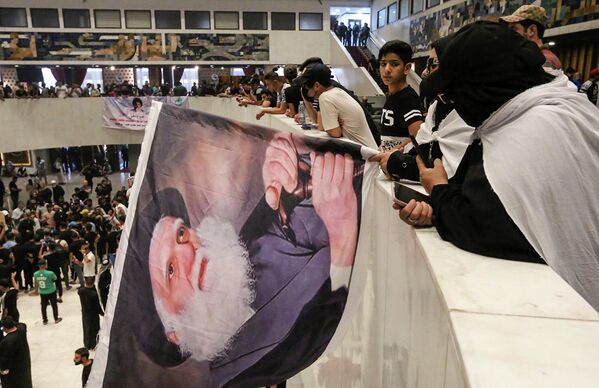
(485, 65)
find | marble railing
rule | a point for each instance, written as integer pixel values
(431, 315)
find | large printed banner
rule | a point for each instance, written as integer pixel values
(237, 262)
(133, 47)
(133, 112)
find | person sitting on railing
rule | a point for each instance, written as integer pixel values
(526, 188)
(442, 135)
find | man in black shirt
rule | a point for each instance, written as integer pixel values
(76, 257)
(19, 252)
(14, 192)
(15, 358)
(82, 358)
(402, 113)
(91, 311)
(10, 291)
(54, 258)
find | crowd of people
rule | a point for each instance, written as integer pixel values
(123, 89)
(48, 243)
(351, 34)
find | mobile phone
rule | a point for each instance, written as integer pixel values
(428, 163)
(404, 194)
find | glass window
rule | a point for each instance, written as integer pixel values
(391, 13)
(310, 21)
(44, 17)
(107, 18)
(404, 6)
(94, 76)
(433, 3)
(197, 20)
(226, 20)
(138, 19)
(168, 20)
(282, 21)
(381, 18)
(142, 74)
(417, 6)
(255, 21)
(76, 18)
(13, 17)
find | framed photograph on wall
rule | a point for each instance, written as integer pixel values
(391, 13)
(432, 3)
(417, 6)
(18, 159)
(381, 18)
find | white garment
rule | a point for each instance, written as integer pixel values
(541, 156)
(89, 269)
(337, 104)
(281, 94)
(61, 91)
(453, 135)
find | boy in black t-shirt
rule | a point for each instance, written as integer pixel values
(402, 113)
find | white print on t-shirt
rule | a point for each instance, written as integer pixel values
(387, 118)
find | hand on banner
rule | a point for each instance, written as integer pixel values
(400, 147)
(383, 159)
(260, 114)
(335, 202)
(430, 177)
(415, 213)
(279, 171)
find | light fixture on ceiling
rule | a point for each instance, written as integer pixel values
(112, 68)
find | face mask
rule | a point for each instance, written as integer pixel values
(77, 362)
(426, 91)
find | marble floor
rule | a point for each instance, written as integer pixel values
(53, 346)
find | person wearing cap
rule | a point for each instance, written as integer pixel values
(336, 106)
(591, 87)
(526, 187)
(530, 21)
(45, 286)
(313, 108)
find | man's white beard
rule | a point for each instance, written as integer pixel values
(211, 317)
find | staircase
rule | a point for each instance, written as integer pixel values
(361, 55)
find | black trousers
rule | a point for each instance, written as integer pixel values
(64, 268)
(57, 281)
(91, 327)
(49, 299)
(29, 270)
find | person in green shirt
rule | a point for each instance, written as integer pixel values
(179, 89)
(44, 285)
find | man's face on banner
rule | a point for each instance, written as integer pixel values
(201, 283)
